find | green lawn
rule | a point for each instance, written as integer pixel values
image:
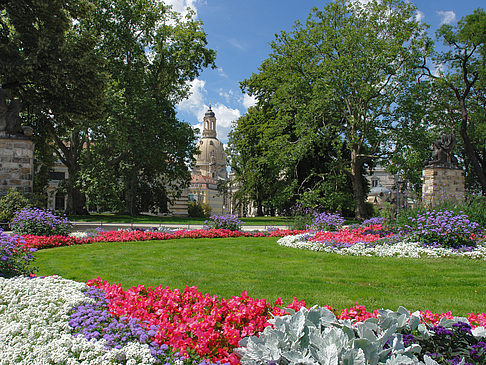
(120, 218)
(226, 267)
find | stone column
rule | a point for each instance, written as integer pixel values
(442, 183)
(16, 163)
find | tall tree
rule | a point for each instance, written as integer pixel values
(51, 64)
(151, 54)
(351, 61)
(461, 77)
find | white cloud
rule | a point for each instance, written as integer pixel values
(248, 101)
(224, 119)
(181, 6)
(448, 17)
(221, 72)
(196, 106)
(195, 102)
(237, 44)
(226, 95)
(420, 16)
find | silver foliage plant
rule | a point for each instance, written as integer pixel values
(316, 336)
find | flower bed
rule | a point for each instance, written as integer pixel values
(376, 241)
(40, 242)
(53, 320)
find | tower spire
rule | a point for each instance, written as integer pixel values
(209, 123)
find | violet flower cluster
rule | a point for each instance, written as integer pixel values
(94, 321)
(14, 260)
(39, 222)
(228, 221)
(442, 229)
(325, 221)
(373, 221)
(451, 345)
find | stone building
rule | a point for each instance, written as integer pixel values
(211, 160)
(210, 169)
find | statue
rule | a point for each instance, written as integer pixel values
(10, 122)
(441, 154)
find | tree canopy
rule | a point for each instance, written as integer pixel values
(339, 76)
(99, 81)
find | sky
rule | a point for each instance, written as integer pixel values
(240, 31)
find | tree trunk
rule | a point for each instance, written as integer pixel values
(469, 148)
(131, 195)
(357, 184)
(76, 200)
(259, 210)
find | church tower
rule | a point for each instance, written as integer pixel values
(211, 161)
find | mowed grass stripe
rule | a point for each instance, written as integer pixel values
(226, 267)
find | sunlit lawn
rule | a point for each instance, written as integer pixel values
(226, 267)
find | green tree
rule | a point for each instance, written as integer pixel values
(51, 64)
(141, 151)
(257, 176)
(343, 71)
(461, 79)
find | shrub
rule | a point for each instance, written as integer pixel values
(442, 228)
(39, 222)
(14, 260)
(316, 336)
(373, 221)
(12, 202)
(302, 216)
(227, 221)
(198, 210)
(195, 210)
(474, 207)
(326, 222)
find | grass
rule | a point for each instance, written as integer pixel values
(147, 219)
(226, 267)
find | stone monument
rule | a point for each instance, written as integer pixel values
(16, 148)
(442, 178)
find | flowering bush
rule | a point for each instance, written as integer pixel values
(190, 321)
(53, 320)
(15, 260)
(34, 326)
(442, 229)
(93, 321)
(39, 222)
(373, 221)
(39, 242)
(451, 345)
(227, 221)
(347, 237)
(325, 221)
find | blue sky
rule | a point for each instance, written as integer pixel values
(241, 31)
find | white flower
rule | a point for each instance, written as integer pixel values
(34, 328)
(400, 249)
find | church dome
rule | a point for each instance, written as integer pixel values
(211, 161)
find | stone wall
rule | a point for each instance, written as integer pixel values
(441, 184)
(16, 164)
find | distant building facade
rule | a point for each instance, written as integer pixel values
(210, 169)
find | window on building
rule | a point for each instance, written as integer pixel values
(59, 201)
(57, 175)
(374, 183)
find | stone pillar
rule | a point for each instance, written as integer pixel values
(16, 163)
(441, 183)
